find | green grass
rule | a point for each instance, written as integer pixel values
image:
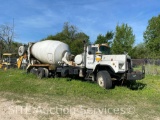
(143, 96)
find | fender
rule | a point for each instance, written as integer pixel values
(98, 67)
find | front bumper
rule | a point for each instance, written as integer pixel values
(136, 75)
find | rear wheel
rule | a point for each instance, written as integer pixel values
(46, 72)
(104, 79)
(40, 73)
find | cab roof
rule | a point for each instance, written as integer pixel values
(103, 44)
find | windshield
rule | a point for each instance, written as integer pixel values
(105, 50)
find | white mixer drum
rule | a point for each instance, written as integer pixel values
(49, 51)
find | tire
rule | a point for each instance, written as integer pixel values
(33, 71)
(46, 72)
(40, 73)
(104, 79)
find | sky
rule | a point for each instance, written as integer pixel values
(36, 19)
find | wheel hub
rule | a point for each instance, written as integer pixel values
(101, 82)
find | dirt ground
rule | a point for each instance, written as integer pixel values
(12, 110)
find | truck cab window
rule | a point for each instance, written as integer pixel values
(105, 50)
(93, 50)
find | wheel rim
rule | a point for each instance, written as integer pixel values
(101, 82)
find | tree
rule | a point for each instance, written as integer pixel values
(123, 40)
(71, 36)
(152, 36)
(15, 46)
(139, 51)
(2, 47)
(69, 31)
(104, 39)
(6, 36)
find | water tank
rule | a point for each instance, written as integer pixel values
(78, 59)
(22, 50)
(49, 51)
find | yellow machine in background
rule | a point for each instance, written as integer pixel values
(0, 63)
(21, 61)
(9, 60)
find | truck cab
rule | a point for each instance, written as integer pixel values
(99, 54)
(96, 63)
(94, 53)
(104, 67)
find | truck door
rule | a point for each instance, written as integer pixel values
(90, 58)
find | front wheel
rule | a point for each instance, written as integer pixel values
(104, 79)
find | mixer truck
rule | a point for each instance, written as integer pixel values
(53, 58)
